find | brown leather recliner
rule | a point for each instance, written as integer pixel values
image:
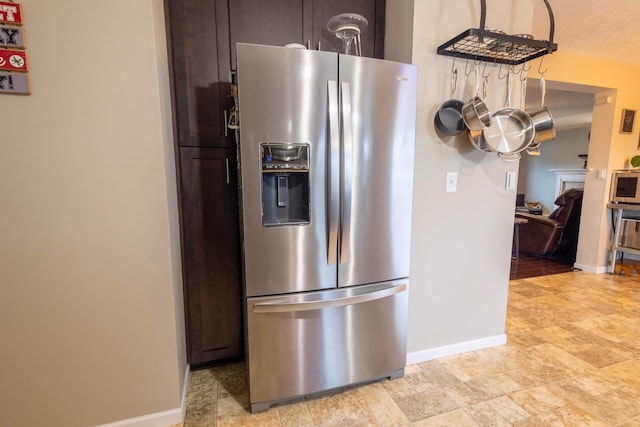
(556, 234)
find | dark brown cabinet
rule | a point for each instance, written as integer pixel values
(202, 35)
(210, 254)
(274, 22)
(372, 39)
(280, 22)
(199, 39)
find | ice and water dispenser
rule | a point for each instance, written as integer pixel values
(285, 184)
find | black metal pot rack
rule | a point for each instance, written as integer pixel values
(481, 44)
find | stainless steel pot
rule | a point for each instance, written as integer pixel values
(511, 130)
(476, 114)
(542, 119)
(543, 124)
(476, 138)
(511, 157)
(448, 119)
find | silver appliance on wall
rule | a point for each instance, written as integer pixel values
(326, 145)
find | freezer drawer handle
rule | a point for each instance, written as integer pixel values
(281, 307)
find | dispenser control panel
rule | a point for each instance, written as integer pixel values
(285, 183)
(284, 156)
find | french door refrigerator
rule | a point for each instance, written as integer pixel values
(326, 144)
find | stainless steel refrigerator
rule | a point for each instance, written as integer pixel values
(326, 144)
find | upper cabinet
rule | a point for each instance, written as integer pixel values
(274, 22)
(372, 39)
(203, 37)
(280, 22)
(199, 39)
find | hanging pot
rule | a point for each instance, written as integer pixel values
(511, 129)
(475, 113)
(543, 123)
(476, 138)
(509, 157)
(448, 119)
(542, 119)
(534, 149)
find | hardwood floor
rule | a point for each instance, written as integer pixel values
(572, 358)
(525, 266)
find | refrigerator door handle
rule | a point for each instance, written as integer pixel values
(347, 172)
(333, 171)
(282, 305)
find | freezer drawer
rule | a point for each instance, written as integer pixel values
(305, 343)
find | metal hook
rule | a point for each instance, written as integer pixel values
(523, 76)
(517, 72)
(476, 60)
(540, 66)
(526, 70)
(466, 66)
(485, 76)
(499, 73)
(453, 65)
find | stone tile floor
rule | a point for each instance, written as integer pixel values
(572, 359)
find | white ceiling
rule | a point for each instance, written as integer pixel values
(607, 29)
(603, 29)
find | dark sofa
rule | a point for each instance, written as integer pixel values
(556, 234)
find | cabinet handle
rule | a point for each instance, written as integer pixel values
(226, 165)
(225, 123)
(319, 45)
(309, 44)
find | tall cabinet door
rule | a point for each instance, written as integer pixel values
(210, 254)
(201, 73)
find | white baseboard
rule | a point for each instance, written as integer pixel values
(452, 349)
(592, 269)
(158, 419)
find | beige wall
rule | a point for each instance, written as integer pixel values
(90, 297)
(90, 294)
(608, 148)
(461, 242)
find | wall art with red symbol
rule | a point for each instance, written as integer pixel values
(10, 13)
(13, 60)
(14, 76)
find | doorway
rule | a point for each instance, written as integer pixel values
(560, 165)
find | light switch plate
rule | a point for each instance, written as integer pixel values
(602, 174)
(511, 181)
(452, 182)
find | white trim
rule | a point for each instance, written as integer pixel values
(452, 349)
(592, 269)
(159, 419)
(565, 176)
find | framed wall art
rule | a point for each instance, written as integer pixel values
(627, 121)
